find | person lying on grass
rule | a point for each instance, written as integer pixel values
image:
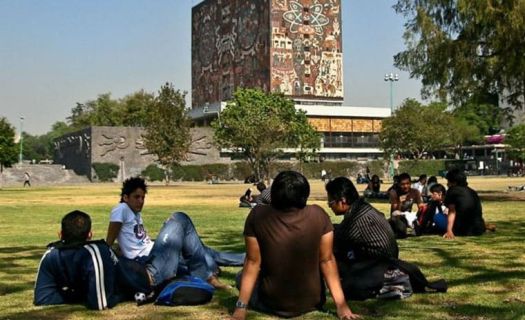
(178, 249)
(289, 248)
(77, 270)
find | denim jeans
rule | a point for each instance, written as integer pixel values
(178, 249)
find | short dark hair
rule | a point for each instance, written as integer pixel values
(457, 177)
(289, 190)
(422, 177)
(132, 184)
(76, 226)
(437, 187)
(432, 179)
(404, 176)
(260, 186)
(342, 187)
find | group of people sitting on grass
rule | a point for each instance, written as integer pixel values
(292, 250)
(427, 207)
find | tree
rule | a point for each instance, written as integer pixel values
(130, 111)
(8, 147)
(133, 108)
(416, 129)
(515, 139)
(486, 117)
(168, 127)
(36, 147)
(257, 126)
(464, 48)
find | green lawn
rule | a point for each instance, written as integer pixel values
(486, 274)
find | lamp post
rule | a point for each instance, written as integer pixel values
(391, 78)
(21, 156)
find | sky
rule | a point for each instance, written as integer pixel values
(56, 53)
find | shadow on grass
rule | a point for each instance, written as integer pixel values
(225, 240)
(15, 268)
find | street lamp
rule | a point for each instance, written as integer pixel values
(21, 156)
(206, 109)
(391, 78)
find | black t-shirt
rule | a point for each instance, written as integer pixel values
(469, 216)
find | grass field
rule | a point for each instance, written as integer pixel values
(486, 274)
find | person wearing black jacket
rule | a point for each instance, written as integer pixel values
(77, 270)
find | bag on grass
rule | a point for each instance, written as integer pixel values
(396, 285)
(187, 290)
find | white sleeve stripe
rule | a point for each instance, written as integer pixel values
(102, 275)
(40, 265)
(97, 275)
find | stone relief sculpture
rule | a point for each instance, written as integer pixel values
(112, 143)
(199, 147)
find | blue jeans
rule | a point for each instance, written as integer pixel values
(178, 249)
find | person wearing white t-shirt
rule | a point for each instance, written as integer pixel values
(178, 248)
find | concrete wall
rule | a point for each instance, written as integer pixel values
(124, 146)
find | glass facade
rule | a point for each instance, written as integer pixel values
(350, 140)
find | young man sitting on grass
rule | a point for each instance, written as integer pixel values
(465, 216)
(288, 255)
(178, 249)
(402, 200)
(76, 270)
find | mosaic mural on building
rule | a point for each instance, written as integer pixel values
(306, 49)
(327, 124)
(229, 48)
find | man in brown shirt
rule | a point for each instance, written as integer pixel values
(289, 245)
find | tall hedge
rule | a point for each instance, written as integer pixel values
(241, 170)
(418, 167)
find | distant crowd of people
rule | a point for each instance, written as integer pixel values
(356, 259)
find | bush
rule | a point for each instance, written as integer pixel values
(418, 167)
(187, 173)
(105, 171)
(241, 170)
(219, 170)
(153, 173)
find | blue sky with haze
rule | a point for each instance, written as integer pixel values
(55, 53)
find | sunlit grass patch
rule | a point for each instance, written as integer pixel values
(486, 274)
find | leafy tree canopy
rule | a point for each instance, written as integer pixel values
(486, 117)
(259, 125)
(515, 139)
(130, 111)
(8, 147)
(168, 126)
(415, 129)
(462, 48)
